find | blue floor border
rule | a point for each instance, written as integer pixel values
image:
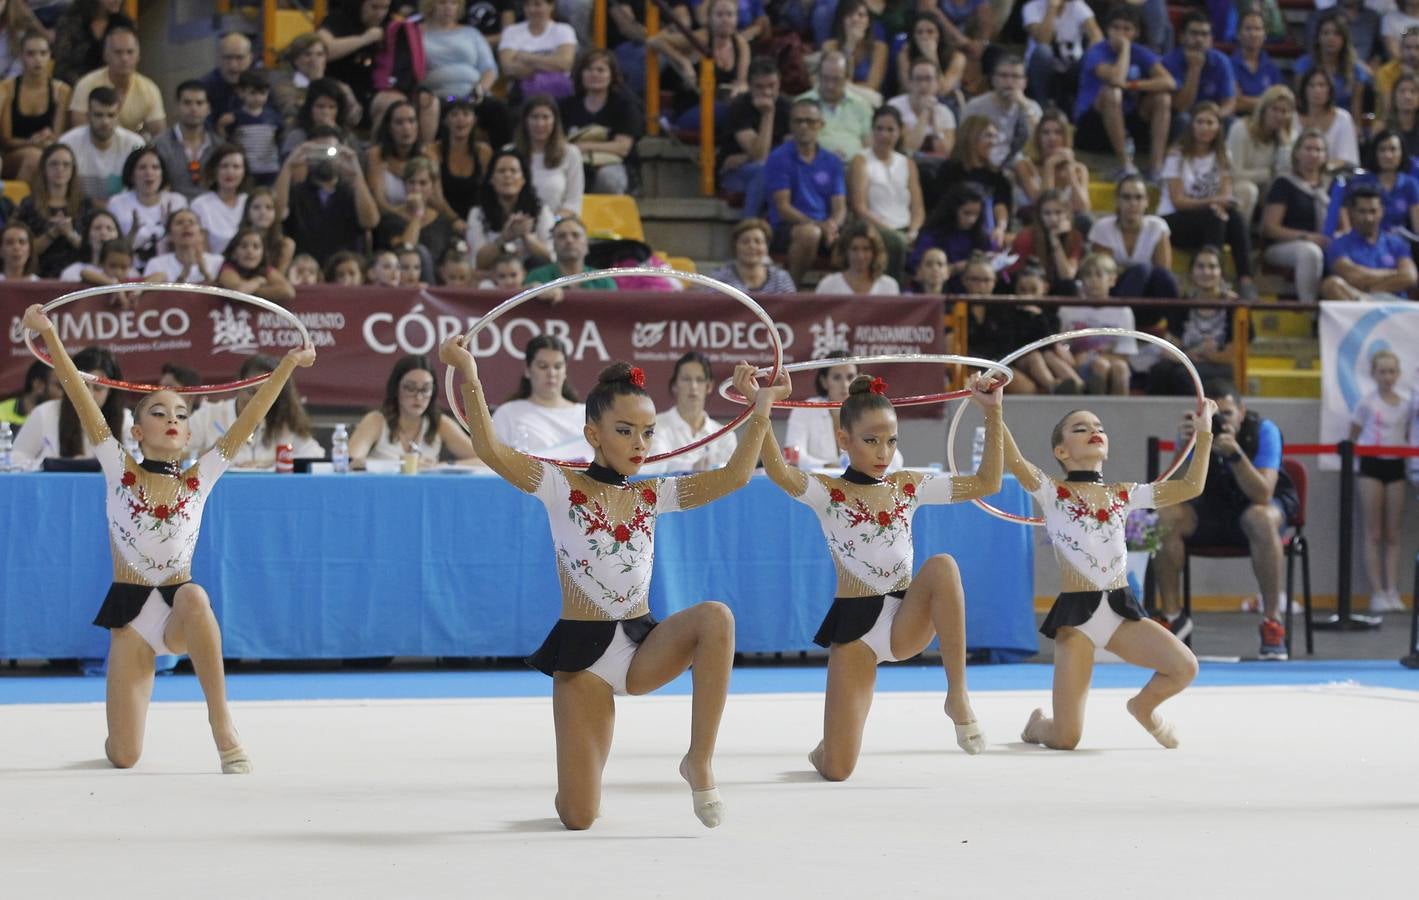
(448, 684)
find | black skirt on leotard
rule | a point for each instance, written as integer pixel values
(1074, 608)
(849, 618)
(125, 601)
(574, 645)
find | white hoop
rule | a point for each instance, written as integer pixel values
(1006, 375)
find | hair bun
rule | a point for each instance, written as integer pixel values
(618, 373)
(862, 384)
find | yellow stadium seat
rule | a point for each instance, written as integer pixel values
(1101, 197)
(16, 191)
(288, 25)
(612, 215)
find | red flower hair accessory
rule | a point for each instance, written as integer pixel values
(637, 377)
(878, 386)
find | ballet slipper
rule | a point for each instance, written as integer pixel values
(970, 738)
(1163, 733)
(236, 761)
(1035, 718)
(709, 808)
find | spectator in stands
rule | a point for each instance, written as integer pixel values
(116, 266)
(807, 191)
(140, 103)
(174, 376)
(303, 271)
(1049, 164)
(756, 123)
(79, 34)
(462, 158)
(419, 223)
(53, 429)
(971, 161)
(101, 146)
(1393, 173)
(729, 54)
(884, 190)
(544, 415)
(1124, 86)
(143, 210)
(967, 24)
(1259, 146)
(322, 199)
(189, 261)
(927, 41)
(17, 256)
(248, 268)
(353, 31)
(1382, 418)
(846, 117)
(1295, 212)
(1366, 263)
(54, 209)
(508, 217)
(1405, 62)
(1103, 362)
(1201, 72)
(625, 38)
(1051, 370)
(39, 386)
(1139, 243)
(346, 269)
(396, 141)
(569, 258)
(16, 20)
(604, 122)
(992, 328)
(691, 384)
(866, 55)
(859, 263)
(33, 109)
(751, 269)
(461, 64)
(409, 421)
(187, 147)
(383, 270)
(261, 215)
(1014, 115)
(1333, 53)
(1361, 19)
(100, 229)
(1200, 200)
(537, 53)
(1245, 502)
(811, 438)
(508, 274)
(1397, 21)
(928, 125)
(287, 422)
(957, 226)
(454, 270)
(306, 58)
(326, 105)
(1403, 116)
(1054, 244)
(1060, 32)
(490, 17)
(1252, 67)
(220, 210)
(1203, 333)
(1316, 105)
(255, 127)
(751, 14)
(932, 273)
(223, 83)
(557, 173)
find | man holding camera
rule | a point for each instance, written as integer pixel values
(322, 197)
(1246, 502)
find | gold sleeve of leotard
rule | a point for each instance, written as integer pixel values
(517, 469)
(256, 409)
(704, 487)
(986, 480)
(1026, 472)
(90, 416)
(792, 479)
(1181, 490)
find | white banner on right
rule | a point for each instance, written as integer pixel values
(1350, 335)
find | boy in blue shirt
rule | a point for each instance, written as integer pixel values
(1201, 72)
(1123, 86)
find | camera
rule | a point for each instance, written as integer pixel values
(1219, 424)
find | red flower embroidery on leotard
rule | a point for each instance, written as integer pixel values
(884, 518)
(622, 534)
(1123, 495)
(129, 479)
(578, 498)
(909, 489)
(160, 512)
(648, 495)
(837, 496)
(193, 484)
(1102, 515)
(1061, 492)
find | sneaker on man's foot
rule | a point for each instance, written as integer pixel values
(1273, 640)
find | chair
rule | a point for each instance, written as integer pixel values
(16, 191)
(1293, 544)
(614, 214)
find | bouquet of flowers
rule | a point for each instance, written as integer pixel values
(1141, 532)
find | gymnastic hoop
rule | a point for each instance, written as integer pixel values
(1069, 336)
(210, 290)
(1006, 375)
(537, 290)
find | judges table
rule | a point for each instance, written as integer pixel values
(319, 567)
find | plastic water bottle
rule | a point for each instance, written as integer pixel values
(340, 450)
(7, 443)
(977, 448)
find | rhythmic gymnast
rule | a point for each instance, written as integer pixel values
(1085, 518)
(883, 613)
(606, 643)
(154, 512)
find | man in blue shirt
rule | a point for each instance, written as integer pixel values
(1365, 263)
(807, 191)
(1123, 86)
(1201, 72)
(1246, 502)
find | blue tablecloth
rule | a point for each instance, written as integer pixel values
(320, 567)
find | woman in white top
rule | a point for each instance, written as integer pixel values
(53, 428)
(409, 420)
(17, 256)
(189, 262)
(557, 175)
(143, 210)
(684, 423)
(544, 416)
(1382, 419)
(286, 422)
(508, 217)
(538, 52)
(1317, 108)
(1259, 146)
(396, 142)
(928, 125)
(1141, 244)
(884, 189)
(101, 229)
(221, 208)
(811, 439)
(859, 256)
